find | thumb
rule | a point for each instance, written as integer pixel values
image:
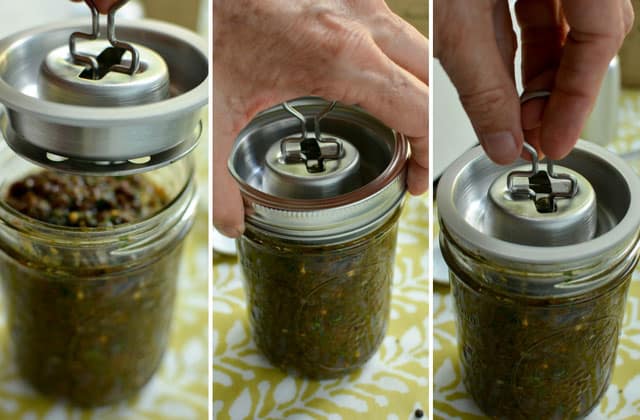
(485, 86)
(228, 207)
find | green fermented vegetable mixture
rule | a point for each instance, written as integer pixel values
(526, 358)
(88, 332)
(319, 311)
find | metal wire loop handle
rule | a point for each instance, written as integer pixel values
(298, 155)
(521, 190)
(303, 129)
(316, 121)
(111, 37)
(95, 33)
(573, 189)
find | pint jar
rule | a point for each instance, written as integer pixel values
(539, 291)
(89, 309)
(319, 245)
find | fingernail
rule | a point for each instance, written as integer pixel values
(501, 147)
(230, 231)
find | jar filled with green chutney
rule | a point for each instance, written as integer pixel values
(89, 266)
(97, 194)
(540, 259)
(323, 186)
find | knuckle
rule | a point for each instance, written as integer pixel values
(485, 105)
(337, 35)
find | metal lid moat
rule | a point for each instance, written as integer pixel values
(551, 208)
(582, 208)
(314, 171)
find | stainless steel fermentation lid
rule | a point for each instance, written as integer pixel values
(339, 188)
(467, 212)
(63, 80)
(534, 206)
(116, 139)
(311, 165)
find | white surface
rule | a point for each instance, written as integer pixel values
(602, 125)
(452, 130)
(223, 244)
(440, 268)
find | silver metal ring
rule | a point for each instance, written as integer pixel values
(536, 94)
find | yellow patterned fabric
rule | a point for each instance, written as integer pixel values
(392, 385)
(622, 399)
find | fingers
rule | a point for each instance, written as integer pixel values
(403, 44)
(228, 207)
(417, 172)
(543, 31)
(405, 108)
(103, 6)
(505, 36)
(485, 85)
(394, 96)
(597, 31)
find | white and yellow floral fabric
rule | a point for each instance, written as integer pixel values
(622, 400)
(391, 386)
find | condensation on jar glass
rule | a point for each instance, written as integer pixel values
(323, 186)
(540, 259)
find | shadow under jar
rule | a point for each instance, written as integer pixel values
(89, 309)
(319, 246)
(539, 305)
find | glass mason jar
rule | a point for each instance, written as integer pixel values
(319, 246)
(538, 325)
(89, 309)
(319, 310)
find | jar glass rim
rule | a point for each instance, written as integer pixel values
(88, 236)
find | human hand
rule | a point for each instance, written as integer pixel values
(103, 6)
(566, 49)
(270, 51)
